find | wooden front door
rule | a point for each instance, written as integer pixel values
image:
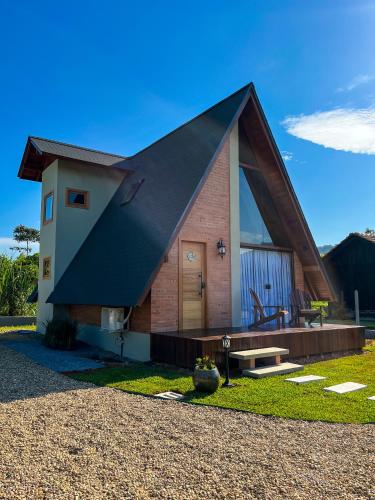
(193, 288)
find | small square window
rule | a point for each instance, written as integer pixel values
(77, 198)
(46, 268)
(48, 208)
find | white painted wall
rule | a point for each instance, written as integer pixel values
(62, 238)
(137, 345)
(74, 224)
(47, 247)
(235, 226)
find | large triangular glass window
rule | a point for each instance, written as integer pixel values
(253, 229)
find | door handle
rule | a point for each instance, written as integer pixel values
(202, 284)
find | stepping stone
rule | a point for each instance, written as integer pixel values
(345, 387)
(371, 398)
(170, 395)
(305, 379)
(269, 371)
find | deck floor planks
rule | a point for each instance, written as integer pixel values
(181, 348)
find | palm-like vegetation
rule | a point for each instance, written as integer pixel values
(18, 278)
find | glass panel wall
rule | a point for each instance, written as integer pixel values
(269, 274)
(252, 227)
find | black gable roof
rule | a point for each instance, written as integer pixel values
(40, 153)
(118, 261)
(352, 237)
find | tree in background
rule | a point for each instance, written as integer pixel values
(23, 234)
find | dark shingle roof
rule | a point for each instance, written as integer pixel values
(60, 149)
(348, 240)
(33, 297)
(368, 237)
(117, 262)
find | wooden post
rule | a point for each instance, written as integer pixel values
(356, 305)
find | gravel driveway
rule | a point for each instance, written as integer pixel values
(65, 439)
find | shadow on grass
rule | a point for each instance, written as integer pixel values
(131, 373)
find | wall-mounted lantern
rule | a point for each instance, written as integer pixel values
(221, 250)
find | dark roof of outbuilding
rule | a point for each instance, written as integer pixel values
(367, 237)
(39, 153)
(117, 262)
(33, 297)
(351, 236)
(61, 149)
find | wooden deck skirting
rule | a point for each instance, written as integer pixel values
(182, 348)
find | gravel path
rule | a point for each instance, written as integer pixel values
(65, 439)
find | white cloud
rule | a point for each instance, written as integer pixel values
(343, 129)
(6, 243)
(286, 155)
(355, 82)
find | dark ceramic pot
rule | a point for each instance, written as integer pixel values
(206, 380)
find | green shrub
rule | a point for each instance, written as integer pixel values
(17, 280)
(60, 334)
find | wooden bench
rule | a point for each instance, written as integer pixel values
(271, 355)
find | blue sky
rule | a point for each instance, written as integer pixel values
(117, 75)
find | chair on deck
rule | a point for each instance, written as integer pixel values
(301, 308)
(260, 310)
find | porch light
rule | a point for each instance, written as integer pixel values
(221, 250)
(226, 341)
(226, 344)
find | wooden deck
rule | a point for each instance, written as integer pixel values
(182, 348)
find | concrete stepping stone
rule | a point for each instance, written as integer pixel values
(345, 387)
(371, 398)
(269, 371)
(170, 395)
(305, 379)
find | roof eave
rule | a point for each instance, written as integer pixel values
(47, 158)
(292, 192)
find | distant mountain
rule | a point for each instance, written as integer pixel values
(323, 249)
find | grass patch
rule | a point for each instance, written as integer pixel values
(272, 396)
(370, 346)
(10, 329)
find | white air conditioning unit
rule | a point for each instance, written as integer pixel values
(112, 318)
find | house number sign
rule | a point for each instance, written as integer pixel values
(191, 256)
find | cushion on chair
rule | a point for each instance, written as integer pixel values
(309, 311)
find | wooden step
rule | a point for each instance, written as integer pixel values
(270, 355)
(269, 371)
(266, 352)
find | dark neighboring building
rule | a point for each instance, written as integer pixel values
(351, 266)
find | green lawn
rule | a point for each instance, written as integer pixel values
(272, 396)
(9, 329)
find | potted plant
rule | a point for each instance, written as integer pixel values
(206, 376)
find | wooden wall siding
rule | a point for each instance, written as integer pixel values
(283, 197)
(207, 222)
(351, 266)
(299, 277)
(183, 351)
(86, 314)
(140, 320)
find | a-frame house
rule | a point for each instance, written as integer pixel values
(178, 232)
